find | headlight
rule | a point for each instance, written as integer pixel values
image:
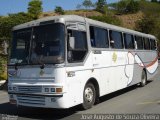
(52, 90)
(46, 89)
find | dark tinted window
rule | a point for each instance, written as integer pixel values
(153, 44)
(20, 46)
(99, 37)
(48, 44)
(80, 39)
(116, 40)
(146, 44)
(80, 46)
(139, 42)
(129, 41)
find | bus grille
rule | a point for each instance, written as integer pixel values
(31, 100)
(30, 89)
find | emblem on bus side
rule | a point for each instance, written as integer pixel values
(114, 57)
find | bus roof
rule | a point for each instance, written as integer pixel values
(81, 19)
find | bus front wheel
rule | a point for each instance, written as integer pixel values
(143, 79)
(89, 96)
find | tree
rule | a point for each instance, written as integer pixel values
(35, 8)
(8, 22)
(78, 6)
(121, 6)
(150, 23)
(59, 10)
(133, 6)
(128, 6)
(146, 25)
(87, 4)
(102, 6)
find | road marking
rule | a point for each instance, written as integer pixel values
(152, 102)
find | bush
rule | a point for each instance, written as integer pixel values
(59, 10)
(3, 63)
(127, 6)
(133, 7)
(107, 19)
(3, 76)
(150, 23)
(121, 7)
(146, 25)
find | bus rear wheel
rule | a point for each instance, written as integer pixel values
(89, 96)
(143, 79)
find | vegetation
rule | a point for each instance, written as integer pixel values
(107, 19)
(3, 68)
(59, 10)
(35, 8)
(126, 6)
(6, 24)
(101, 6)
(150, 23)
(133, 6)
(87, 4)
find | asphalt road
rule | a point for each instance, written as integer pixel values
(132, 100)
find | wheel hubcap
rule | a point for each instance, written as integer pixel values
(143, 79)
(89, 94)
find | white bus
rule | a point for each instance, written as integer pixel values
(63, 61)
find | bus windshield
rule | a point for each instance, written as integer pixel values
(38, 45)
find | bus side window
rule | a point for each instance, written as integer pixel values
(116, 40)
(99, 37)
(78, 53)
(139, 42)
(146, 44)
(129, 41)
(153, 44)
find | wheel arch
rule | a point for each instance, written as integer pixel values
(145, 70)
(96, 85)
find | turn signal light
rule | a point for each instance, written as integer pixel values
(58, 90)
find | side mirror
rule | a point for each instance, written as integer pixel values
(71, 43)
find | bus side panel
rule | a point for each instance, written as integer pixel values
(76, 83)
(136, 74)
(144, 60)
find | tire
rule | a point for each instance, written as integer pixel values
(143, 79)
(89, 96)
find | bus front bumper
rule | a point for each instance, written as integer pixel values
(39, 100)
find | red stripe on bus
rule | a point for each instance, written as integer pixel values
(154, 61)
